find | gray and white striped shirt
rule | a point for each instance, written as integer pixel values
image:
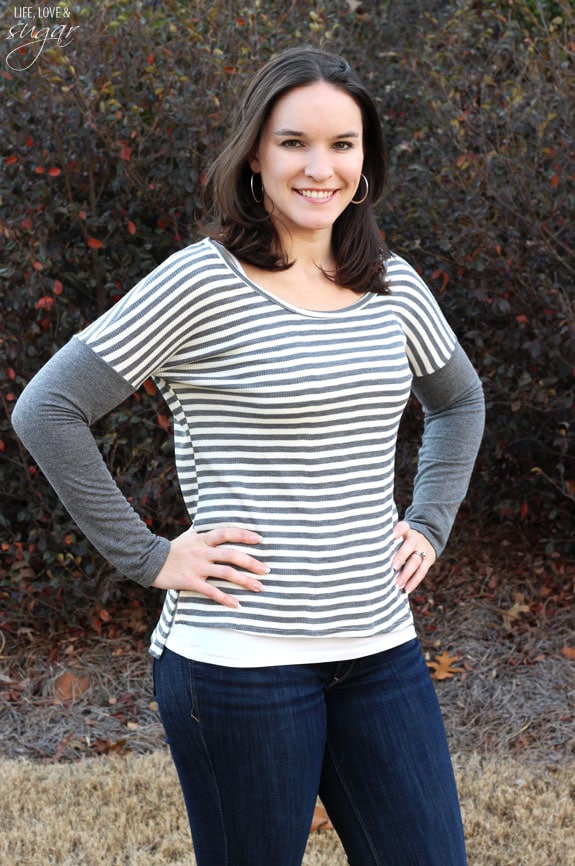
(285, 423)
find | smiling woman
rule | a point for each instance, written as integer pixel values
(310, 158)
(320, 84)
(286, 344)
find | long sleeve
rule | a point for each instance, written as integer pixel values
(53, 418)
(454, 414)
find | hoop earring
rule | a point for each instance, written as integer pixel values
(254, 196)
(361, 200)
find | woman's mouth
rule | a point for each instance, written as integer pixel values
(316, 194)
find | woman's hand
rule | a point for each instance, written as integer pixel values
(409, 562)
(195, 557)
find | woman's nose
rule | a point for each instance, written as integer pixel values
(318, 166)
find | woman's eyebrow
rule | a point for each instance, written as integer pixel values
(298, 134)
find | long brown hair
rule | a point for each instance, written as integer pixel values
(243, 225)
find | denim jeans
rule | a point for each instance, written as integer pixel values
(253, 747)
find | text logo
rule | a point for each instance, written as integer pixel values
(34, 29)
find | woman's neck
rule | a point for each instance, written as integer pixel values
(309, 251)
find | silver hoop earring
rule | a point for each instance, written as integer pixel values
(361, 200)
(254, 196)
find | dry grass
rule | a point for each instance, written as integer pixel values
(128, 810)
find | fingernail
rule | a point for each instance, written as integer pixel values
(256, 586)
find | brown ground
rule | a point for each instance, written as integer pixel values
(506, 616)
(499, 626)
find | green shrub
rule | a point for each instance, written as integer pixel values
(105, 145)
(485, 185)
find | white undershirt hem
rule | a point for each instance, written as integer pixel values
(237, 649)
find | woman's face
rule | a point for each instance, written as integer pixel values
(310, 156)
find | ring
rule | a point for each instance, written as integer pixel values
(420, 553)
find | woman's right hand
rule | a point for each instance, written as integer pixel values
(195, 557)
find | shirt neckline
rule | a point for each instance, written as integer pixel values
(234, 264)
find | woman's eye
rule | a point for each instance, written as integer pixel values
(296, 142)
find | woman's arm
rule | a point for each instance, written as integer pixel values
(53, 418)
(454, 415)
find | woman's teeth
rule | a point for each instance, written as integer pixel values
(316, 193)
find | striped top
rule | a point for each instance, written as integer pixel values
(285, 423)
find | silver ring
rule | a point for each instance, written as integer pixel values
(420, 553)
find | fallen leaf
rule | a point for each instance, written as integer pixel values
(442, 667)
(106, 747)
(69, 686)
(14, 689)
(513, 614)
(320, 820)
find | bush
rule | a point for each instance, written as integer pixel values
(478, 114)
(491, 172)
(105, 146)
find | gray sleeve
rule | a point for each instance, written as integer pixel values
(53, 418)
(454, 415)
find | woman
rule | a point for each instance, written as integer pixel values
(286, 344)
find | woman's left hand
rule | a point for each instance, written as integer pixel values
(414, 558)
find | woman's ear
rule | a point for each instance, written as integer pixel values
(254, 161)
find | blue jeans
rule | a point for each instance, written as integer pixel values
(253, 747)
